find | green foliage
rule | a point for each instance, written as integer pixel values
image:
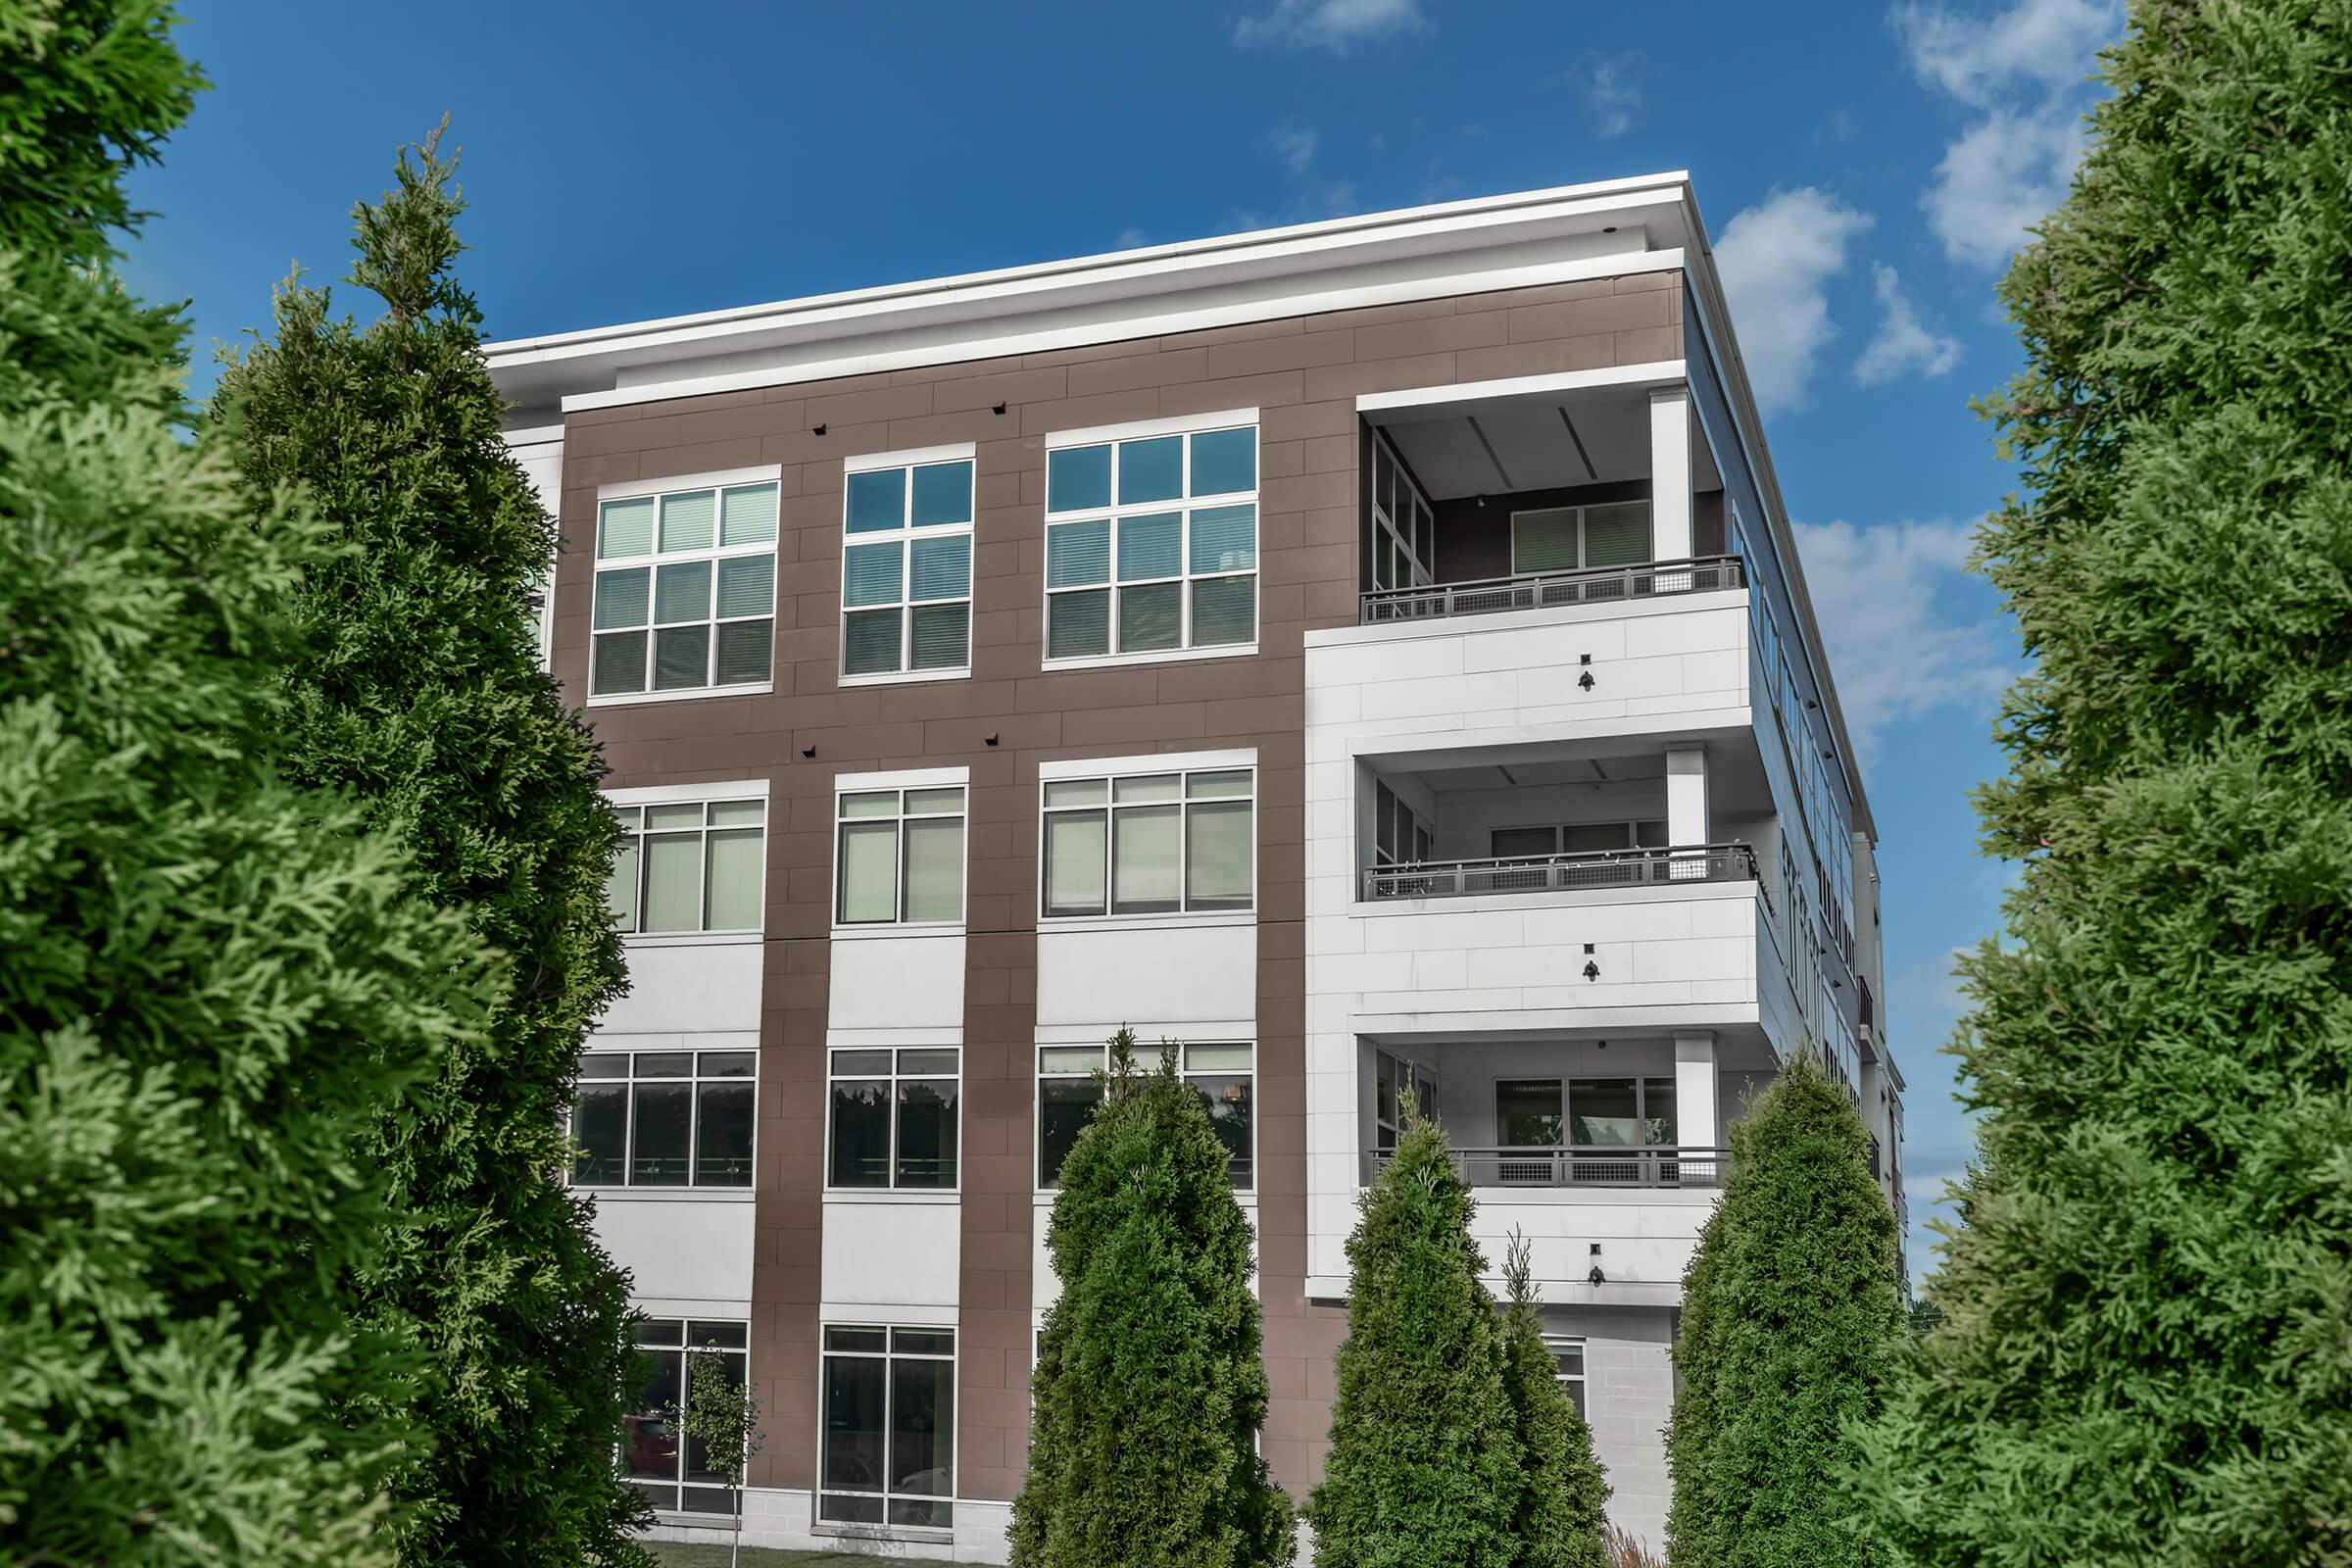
(1149, 1392)
(722, 1412)
(2146, 1352)
(87, 88)
(1560, 1516)
(1424, 1469)
(417, 688)
(212, 981)
(1792, 1318)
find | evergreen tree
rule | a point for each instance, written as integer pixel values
(2146, 1347)
(1150, 1390)
(1792, 1319)
(212, 982)
(1560, 1516)
(1424, 1465)
(419, 690)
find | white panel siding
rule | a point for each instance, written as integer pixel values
(890, 1250)
(688, 986)
(1160, 977)
(910, 983)
(680, 1248)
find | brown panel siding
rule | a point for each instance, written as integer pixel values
(1304, 375)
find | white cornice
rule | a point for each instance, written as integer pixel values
(1599, 229)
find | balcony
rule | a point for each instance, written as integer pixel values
(1557, 873)
(1596, 1165)
(1548, 590)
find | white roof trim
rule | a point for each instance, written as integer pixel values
(1659, 372)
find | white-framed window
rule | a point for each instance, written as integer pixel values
(1404, 545)
(1392, 1075)
(1568, 1367)
(685, 595)
(1400, 835)
(894, 1118)
(1222, 1073)
(1151, 539)
(888, 1420)
(1149, 843)
(1576, 838)
(661, 1462)
(906, 565)
(1571, 538)
(664, 1118)
(899, 855)
(689, 865)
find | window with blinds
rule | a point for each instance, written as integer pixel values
(688, 866)
(1132, 564)
(899, 857)
(1576, 538)
(1149, 844)
(685, 591)
(907, 567)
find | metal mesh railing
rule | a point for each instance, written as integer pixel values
(1594, 585)
(1553, 873)
(1580, 1165)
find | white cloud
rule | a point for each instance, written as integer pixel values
(1894, 652)
(1902, 346)
(1611, 99)
(1977, 60)
(1131, 238)
(2002, 176)
(1295, 145)
(2022, 70)
(1333, 25)
(1777, 258)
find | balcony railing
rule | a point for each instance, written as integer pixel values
(1578, 1165)
(1554, 873)
(1599, 584)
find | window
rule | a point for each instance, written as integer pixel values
(1399, 833)
(1573, 538)
(1391, 1076)
(1596, 1112)
(1568, 1367)
(1576, 838)
(664, 1118)
(894, 1118)
(685, 591)
(890, 1427)
(906, 569)
(1149, 843)
(697, 865)
(1068, 1089)
(900, 857)
(676, 1475)
(1403, 538)
(1134, 562)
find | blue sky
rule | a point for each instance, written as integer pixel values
(1864, 173)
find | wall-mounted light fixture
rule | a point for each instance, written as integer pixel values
(816, 429)
(1592, 971)
(808, 751)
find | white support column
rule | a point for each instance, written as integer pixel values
(1694, 1079)
(1671, 537)
(1687, 825)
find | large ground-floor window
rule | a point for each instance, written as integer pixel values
(672, 1470)
(889, 1427)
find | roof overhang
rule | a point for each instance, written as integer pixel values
(1570, 232)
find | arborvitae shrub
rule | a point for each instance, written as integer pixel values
(212, 982)
(1149, 1392)
(2147, 1348)
(418, 690)
(1561, 1515)
(1792, 1319)
(1424, 1466)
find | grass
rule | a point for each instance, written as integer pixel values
(677, 1554)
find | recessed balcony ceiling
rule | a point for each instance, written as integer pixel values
(1533, 774)
(1540, 441)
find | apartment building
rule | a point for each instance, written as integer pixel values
(1371, 655)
